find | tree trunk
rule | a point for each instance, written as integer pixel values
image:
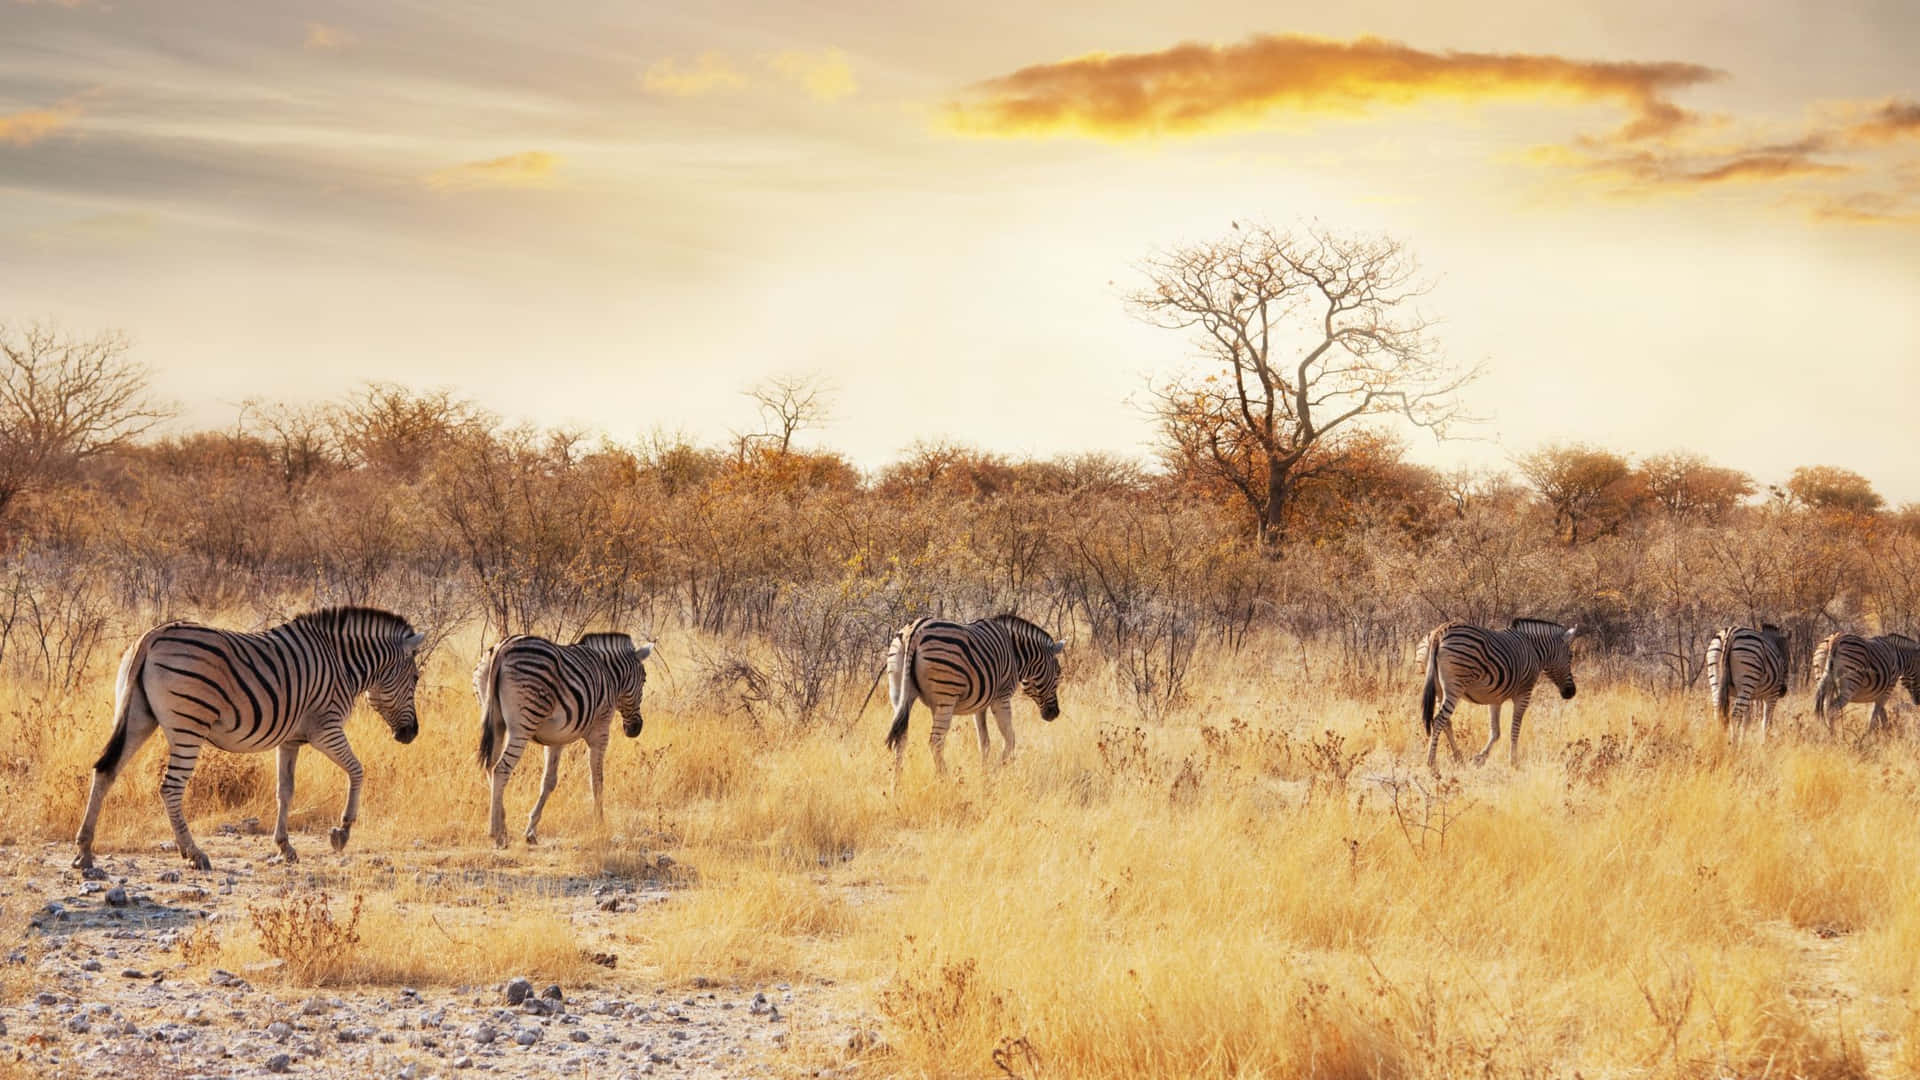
(1273, 522)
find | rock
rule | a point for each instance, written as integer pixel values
(314, 1007)
(93, 873)
(463, 1062)
(91, 965)
(45, 998)
(197, 1016)
(759, 1005)
(280, 1030)
(79, 1024)
(117, 896)
(222, 977)
(484, 1034)
(657, 1058)
(279, 1063)
(170, 877)
(133, 973)
(518, 990)
(552, 993)
(527, 1036)
(409, 1072)
(577, 1035)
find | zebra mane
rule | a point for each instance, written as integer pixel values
(610, 642)
(359, 620)
(1537, 626)
(1014, 622)
(1901, 640)
(1770, 628)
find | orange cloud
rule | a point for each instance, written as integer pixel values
(711, 73)
(29, 126)
(826, 75)
(1646, 172)
(531, 169)
(1888, 121)
(322, 36)
(1197, 88)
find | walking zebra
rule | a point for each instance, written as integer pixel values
(970, 667)
(1852, 668)
(1747, 667)
(532, 690)
(280, 689)
(1489, 667)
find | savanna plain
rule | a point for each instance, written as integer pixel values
(1260, 881)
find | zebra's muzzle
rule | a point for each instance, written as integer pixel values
(1566, 692)
(1049, 712)
(632, 726)
(406, 734)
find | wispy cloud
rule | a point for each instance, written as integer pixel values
(1886, 122)
(29, 126)
(710, 73)
(1199, 88)
(320, 36)
(826, 75)
(530, 169)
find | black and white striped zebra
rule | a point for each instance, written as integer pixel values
(1747, 668)
(970, 668)
(1850, 668)
(1490, 667)
(532, 690)
(280, 689)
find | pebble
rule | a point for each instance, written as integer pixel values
(280, 1030)
(518, 990)
(117, 896)
(463, 1062)
(91, 965)
(484, 1034)
(552, 993)
(279, 1063)
(527, 1036)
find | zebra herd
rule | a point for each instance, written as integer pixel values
(294, 685)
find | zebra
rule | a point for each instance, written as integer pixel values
(279, 689)
(533, 690)
(1853, 668)
(970, 667)
(1489, 667)
(1747, 667)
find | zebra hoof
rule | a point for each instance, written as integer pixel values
(199, 860)
(532, 840)
(83, 861)
(288, 855)
(500, 841)
(338, 838)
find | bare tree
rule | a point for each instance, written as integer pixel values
(391, 428)
(63, 399)
(1305, 332)
(300, 437)
(789, 404)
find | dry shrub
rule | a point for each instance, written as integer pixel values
(224, 782)
(302, 932)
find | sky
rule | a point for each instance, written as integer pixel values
(1655, 224)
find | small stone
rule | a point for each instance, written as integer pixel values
(518, 990)
(463, 1062)
(117, 896)
(314, 1007)
(527, 1036)
(46, 998)
(552, 993)
(658, 1058)
(222, 977)
(280, 1030)
(410, 1071)
(170, 877)
(759, 1005)
(93, 873)
(79, 1024)
(577, 1035)
(484, 1034)
(279, 1063)
(91, 965)
(134, 973)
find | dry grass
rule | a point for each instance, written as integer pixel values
(1261, 885)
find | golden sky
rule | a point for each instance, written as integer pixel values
(1658, 225)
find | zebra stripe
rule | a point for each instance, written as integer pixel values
(1490, 667)
(534, 691)
(1747, 667)
(970, 667)
(282, 688)
(1853, 668)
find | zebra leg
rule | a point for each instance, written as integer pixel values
(288, 754)
(597, 771)
(1003, 719)
(937, 738)
(181, 758)
(1493, 736)
(980, 720)
(1442, 721)
(139, 727)
(1519, 710)
(502, 772)
(333, 743)
(548, 781)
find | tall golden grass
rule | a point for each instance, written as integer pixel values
(1262, 884)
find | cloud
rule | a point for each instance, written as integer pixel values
(1886, 122)
(711, 73)
(322, 36)
(29, 126)
(826, 75)
(530, 169)
(1199, 88)
(1866, 208)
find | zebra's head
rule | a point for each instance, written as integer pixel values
(1039, 656)
(1908, 650)
(1554, 645)
(391, 690)
(629, 673)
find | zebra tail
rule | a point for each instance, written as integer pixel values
(130, 693)
(909, 692)
(1430, 691)
(493, 722)
(1721, 665)
(1823, 663)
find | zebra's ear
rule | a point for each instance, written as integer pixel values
(413, 641)
(1572, 630)
(1059, 647)
(644, 651)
